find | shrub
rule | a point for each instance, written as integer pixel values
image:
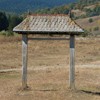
(96, 28)
(86, 33)
(7, 33)
(90, 20)
(90, 30)
(3, 21)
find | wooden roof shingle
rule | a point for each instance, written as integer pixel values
(48, 24)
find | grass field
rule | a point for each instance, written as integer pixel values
(90, 26)
(48, 78)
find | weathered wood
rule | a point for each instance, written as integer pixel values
(24, 60)
(72, 62)
(48, 38)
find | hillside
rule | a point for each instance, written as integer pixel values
(85, 12)
(81, 9)
(92, 27)
(20, 6)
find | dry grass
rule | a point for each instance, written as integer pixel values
(50, 84)
(90, 26)
(47, 53)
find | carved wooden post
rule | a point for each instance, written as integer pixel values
(24, 60)
(72, 62)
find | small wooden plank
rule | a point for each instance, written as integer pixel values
(24, 60)
(48, 38)
(72, 62)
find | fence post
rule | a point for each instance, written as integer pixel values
(24, 60)
(72, 62)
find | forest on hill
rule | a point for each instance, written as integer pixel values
(81, 9)
(21, 6)
(81, 5)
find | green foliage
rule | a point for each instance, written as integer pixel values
(3, 21)
(7, 33)
(13, 20)
(96, 28)
(86, 33)
(93, 12)
(55, 10)
(48, 7)
(81, 4)
(8, 22)
(90, 20)
(88, 2)
(90, 30)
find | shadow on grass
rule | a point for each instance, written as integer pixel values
(91, 92)
(45, 90)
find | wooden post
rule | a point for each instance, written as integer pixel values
(72, 62)
(24, 60)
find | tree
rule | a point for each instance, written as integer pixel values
(96, 28)
(90, 20)
(14, 20)
(3, 21)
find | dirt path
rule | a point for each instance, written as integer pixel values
(52, 67)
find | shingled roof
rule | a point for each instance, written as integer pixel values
(48, 24)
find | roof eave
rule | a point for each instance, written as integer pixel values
(49, 32)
